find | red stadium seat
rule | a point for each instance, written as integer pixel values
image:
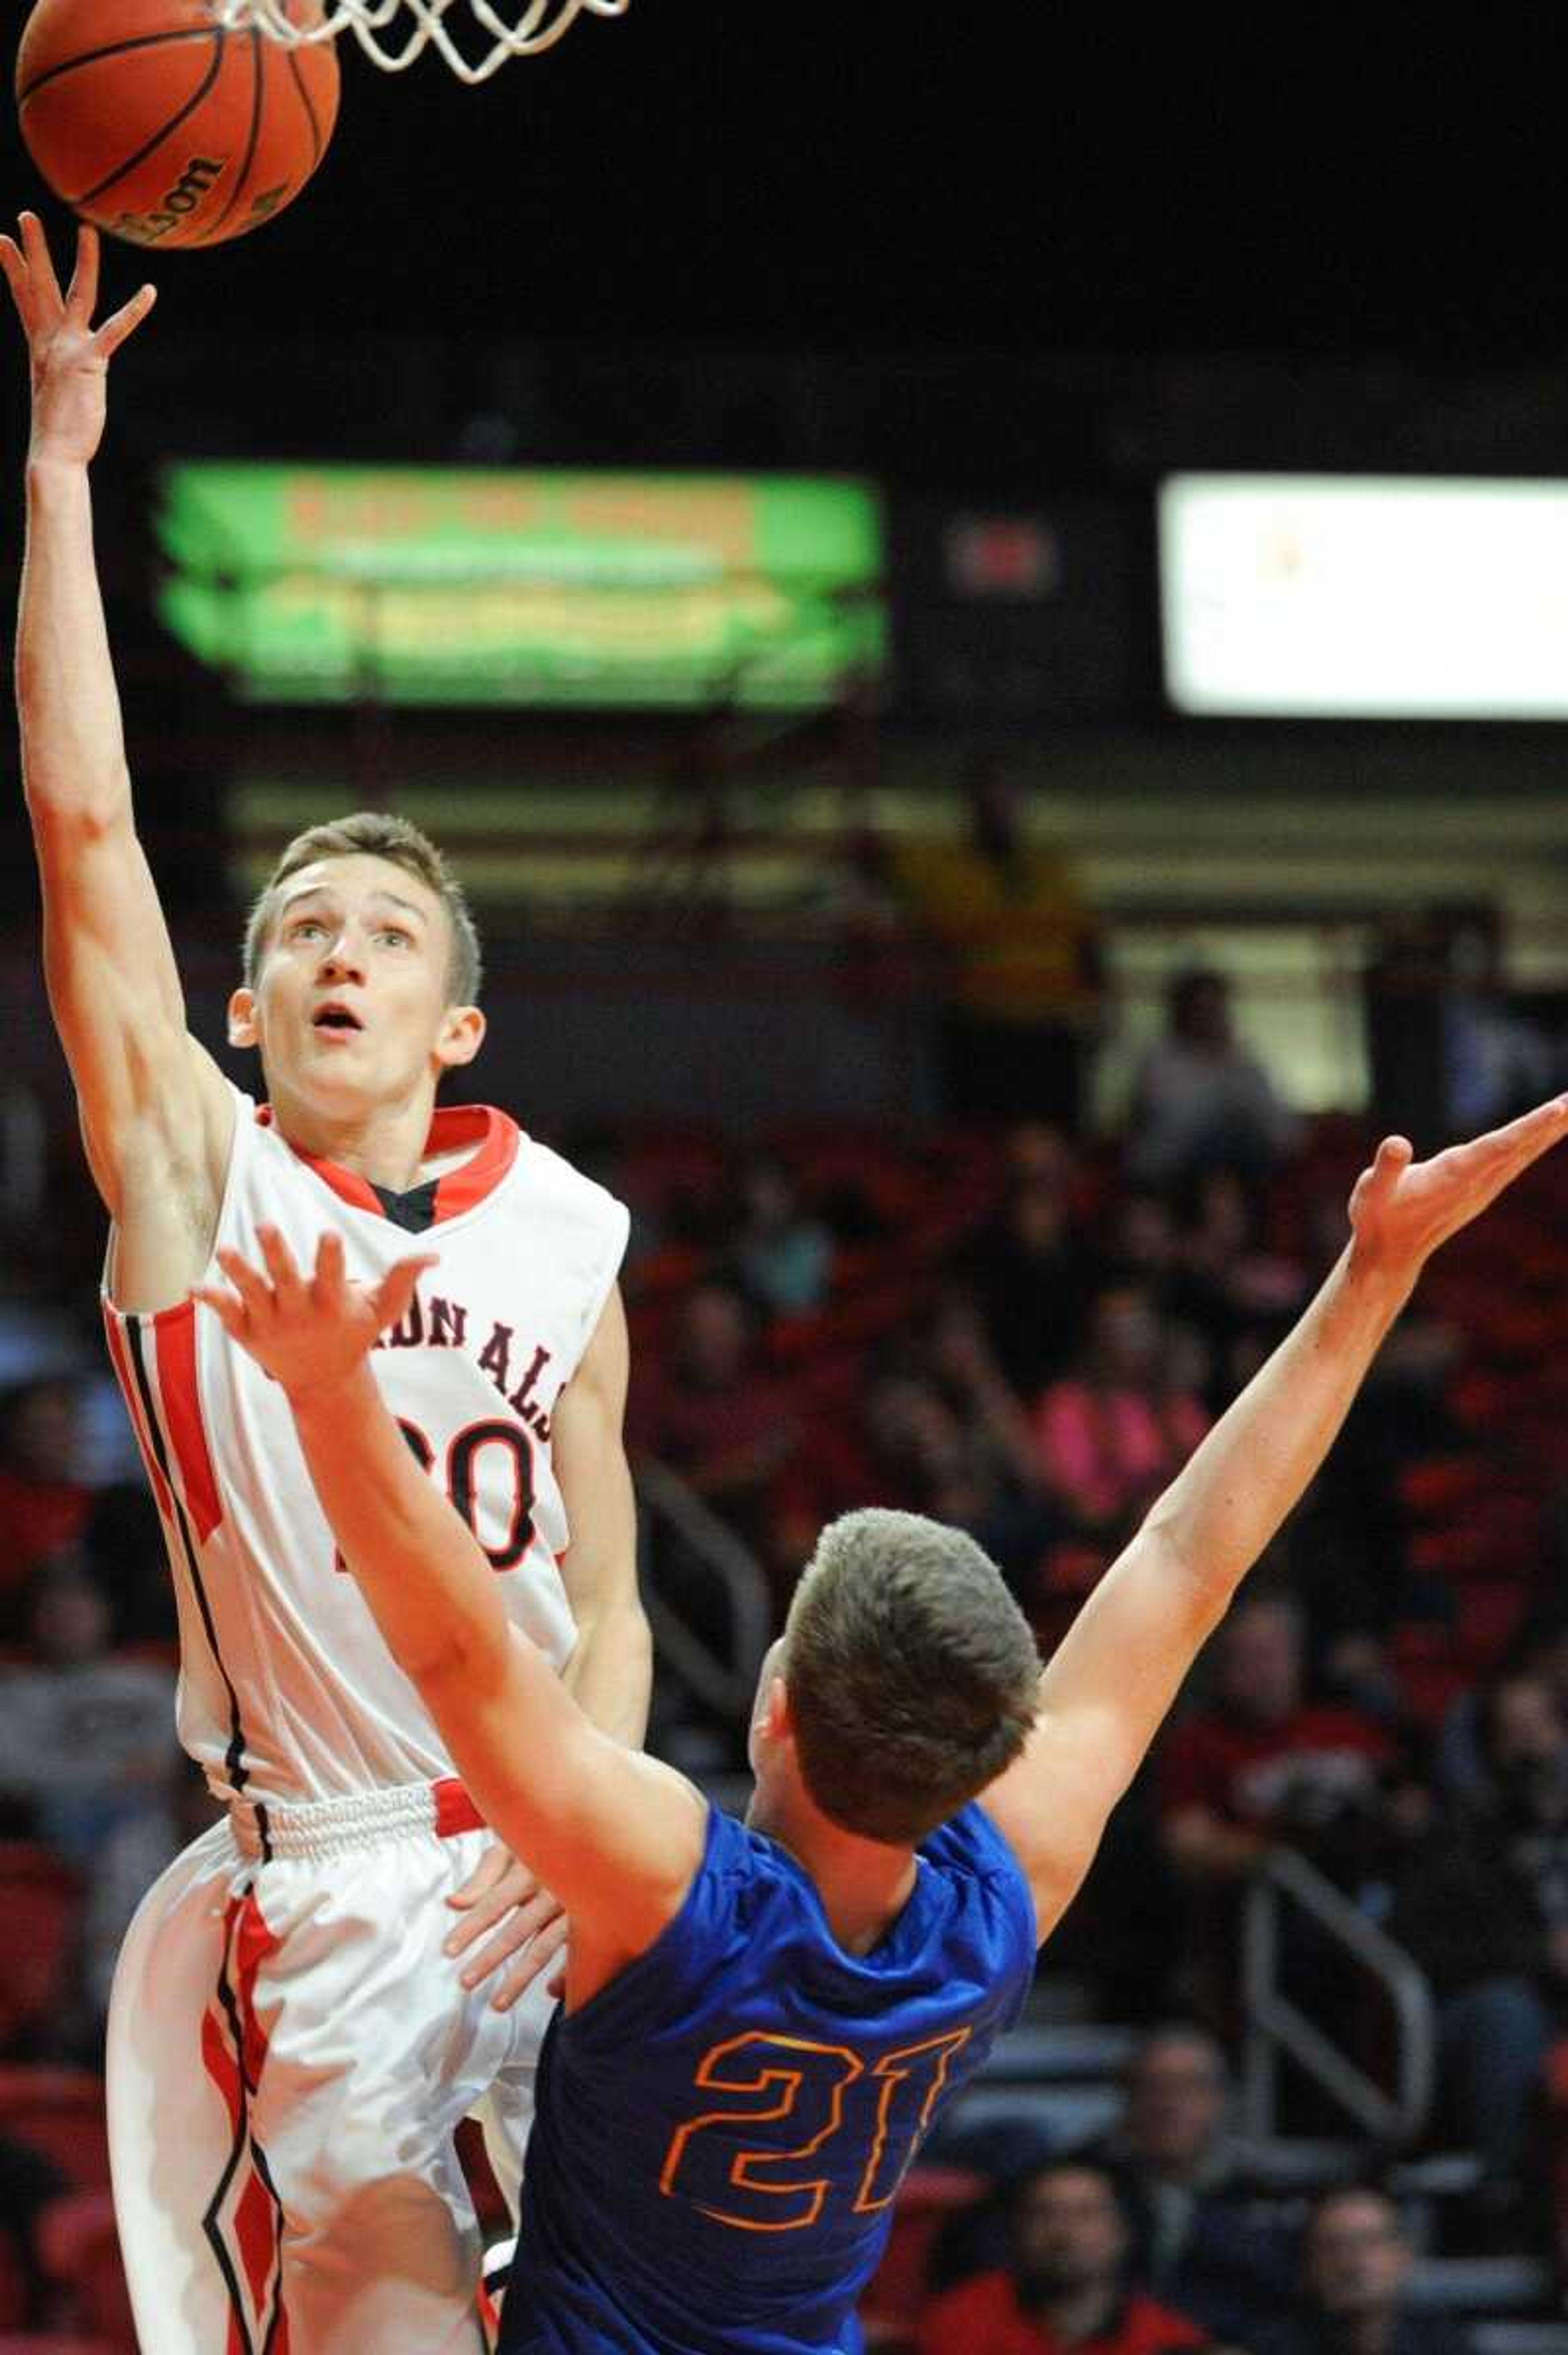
(891, 2306)
(40, 1904)
(60, 2113)
(79, 2250)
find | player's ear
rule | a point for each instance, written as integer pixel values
(462, 1036)
(242, 1019)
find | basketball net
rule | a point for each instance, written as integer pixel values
(411, 26)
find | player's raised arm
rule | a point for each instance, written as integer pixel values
(141, 1085)
(616, 1835)
(1119, 1666)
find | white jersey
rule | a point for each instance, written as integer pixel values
(287, 1690)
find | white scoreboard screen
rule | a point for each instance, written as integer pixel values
(1327, 596)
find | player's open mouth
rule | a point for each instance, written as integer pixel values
(336, 1018)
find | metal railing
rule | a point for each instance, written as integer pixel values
(720, 1681)
(1276, 2026)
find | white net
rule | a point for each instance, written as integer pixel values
(393, 33)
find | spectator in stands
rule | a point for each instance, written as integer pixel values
(712, 1413)
(1355, 2265)
(1211, 2246)
(784, 1259)
(1115, 1432)
(83, 1736)
(1020, 972)
(1483, 1907)
(1239, 1296)
(1031, 1275)
(1262, 1763)
(1199, 1099)
(1067, 2282)
(44, 1501)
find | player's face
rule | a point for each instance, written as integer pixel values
(350, 1008)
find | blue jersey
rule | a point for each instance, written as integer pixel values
(722, 2129)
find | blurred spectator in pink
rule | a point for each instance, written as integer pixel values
(84, 1735)
(1200, 1098)
(1111, 1435)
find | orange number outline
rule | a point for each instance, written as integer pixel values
(889, 2068)
(791, 2081)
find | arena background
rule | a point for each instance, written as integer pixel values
(1005, 277)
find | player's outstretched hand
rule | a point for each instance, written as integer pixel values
(1402, 1209)
(70, 355)
(308, 1332)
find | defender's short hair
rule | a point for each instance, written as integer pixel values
(376, 834)
(912, 1674)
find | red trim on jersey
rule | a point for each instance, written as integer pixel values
(127, 1382)
(454, 1810)
(174, 1335)
(493, 1135)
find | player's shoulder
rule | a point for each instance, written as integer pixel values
(549, 1177)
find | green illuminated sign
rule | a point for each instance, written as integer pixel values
(322, 583)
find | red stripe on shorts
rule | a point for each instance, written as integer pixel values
(454, 1810)
(176, 1338)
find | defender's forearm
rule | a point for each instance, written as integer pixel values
(1240, 1483)
(73, 746)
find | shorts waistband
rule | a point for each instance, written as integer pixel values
(327, 1827)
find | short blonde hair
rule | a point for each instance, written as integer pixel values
(913, 1675)
(375, 834)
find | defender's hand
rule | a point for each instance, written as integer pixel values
(70, 357)
(1402, 1209)
(308, 1335)
(501, 1894)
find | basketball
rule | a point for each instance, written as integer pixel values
(162, 126)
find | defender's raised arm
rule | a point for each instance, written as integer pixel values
(1122, 1662)
(155, 1108)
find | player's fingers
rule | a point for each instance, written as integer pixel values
(328, 1282)
(82, 295)
(542, 1955)
(516, 1893)
(281, 1266)
(522, 1925)
(397, 1289)
(228, 1310)
(498, 1865)
(40, 261)
(124, 321)
(248, 1282)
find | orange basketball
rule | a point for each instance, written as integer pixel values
(152, 120)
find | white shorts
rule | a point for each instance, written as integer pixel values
(290, 2055)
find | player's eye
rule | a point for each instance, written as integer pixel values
(306, 925)
(395, 933)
